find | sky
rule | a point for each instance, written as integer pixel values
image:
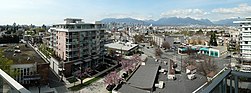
(50, 12)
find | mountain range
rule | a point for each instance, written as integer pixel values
(171, 21)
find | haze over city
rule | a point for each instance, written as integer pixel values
(49, 12)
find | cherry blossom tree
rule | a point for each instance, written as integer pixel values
(129, 64)
(126, 64)
(112, 78)
(136, 58)
(82, 75)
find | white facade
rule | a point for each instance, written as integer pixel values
(245, 38)
(159, 39)
(25, 70)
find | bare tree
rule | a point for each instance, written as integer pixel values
(191, 51)
(166, 45)
(207, 66)
(158, 52)
(82, 75)
(152, 43)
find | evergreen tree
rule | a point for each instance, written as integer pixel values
(213, 41)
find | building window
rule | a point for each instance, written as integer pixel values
(246, 42)
(246, 28)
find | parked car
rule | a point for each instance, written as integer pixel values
(17, 51)
(110, 87)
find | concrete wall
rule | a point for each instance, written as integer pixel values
(61, 45)
(54, 65)
(43, 71)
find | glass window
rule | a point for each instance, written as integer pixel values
(246, 42)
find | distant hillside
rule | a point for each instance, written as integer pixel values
(227, 21)
(122, 20)
(161, 21)
(181, 21)
(171, 21)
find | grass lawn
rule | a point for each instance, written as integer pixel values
(80, 86)
(71, 80)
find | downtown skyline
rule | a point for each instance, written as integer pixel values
(49, 12)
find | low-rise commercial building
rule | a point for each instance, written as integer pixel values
(123, 48)
(32, 68)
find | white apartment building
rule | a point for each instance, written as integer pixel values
(245, 39)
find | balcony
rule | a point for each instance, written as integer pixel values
(245, 48)
(9, 85)
(245, 30)
(72, 36)
(246, 34)
(71, 43)
(72, 49)
(71, 56)
(245, 39)
(243, 44)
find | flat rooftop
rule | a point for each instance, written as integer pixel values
(143, 80)
(144, 77)
(26, 56)
(123, 46)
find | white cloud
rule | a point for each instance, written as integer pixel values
(194, 13)
(242, 8)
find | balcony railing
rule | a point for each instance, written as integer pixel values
(72, 49)
(9, 85)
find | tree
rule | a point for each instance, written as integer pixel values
(111, 51)
(81, 75)
(112, 78)
(165, 45)
(207, 66)
(184, 33)
(5, 65)
(190, 33)
(138, 38)
(200, 32)
(191, 41)
(201, 42)
(158, 52)
(129, 64)
(136, 58)
(191, 51)
(213, 40)
(126, 64)
(152, 43)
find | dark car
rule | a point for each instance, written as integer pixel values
(110, 87)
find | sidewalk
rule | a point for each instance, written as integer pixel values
(43, 89)
(87, 79)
